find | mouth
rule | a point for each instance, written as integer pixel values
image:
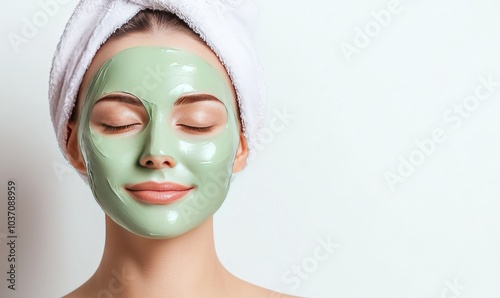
(158, 193)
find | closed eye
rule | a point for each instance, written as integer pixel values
(188, 128)
(123, 128)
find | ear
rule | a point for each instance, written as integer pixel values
(73, 149)
(240, 161)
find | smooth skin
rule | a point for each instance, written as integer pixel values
(185, 266)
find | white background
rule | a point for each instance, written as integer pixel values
(321, 175)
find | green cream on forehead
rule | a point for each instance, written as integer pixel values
(158, 77)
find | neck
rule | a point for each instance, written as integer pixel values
(183, 266)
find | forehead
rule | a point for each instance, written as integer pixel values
(159, 75)
(172, 39)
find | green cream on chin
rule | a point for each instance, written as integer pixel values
(158, 77)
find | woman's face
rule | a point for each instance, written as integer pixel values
(158, 132)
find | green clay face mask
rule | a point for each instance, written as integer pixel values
(159, 134)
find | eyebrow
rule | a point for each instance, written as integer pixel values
(183, 100)
(122, 98)
(193, 98)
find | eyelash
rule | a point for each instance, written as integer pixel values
(110, 128)
(196, 129)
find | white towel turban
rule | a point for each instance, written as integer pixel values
(225, 25)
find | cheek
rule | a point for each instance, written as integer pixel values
(111, 157)
(212, 153)
(211, 162)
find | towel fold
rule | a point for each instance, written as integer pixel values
(225, 25)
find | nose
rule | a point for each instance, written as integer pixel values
(155, 154)
(157, 161)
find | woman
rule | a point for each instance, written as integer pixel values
(157, 131)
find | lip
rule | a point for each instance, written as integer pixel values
(158, 193)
